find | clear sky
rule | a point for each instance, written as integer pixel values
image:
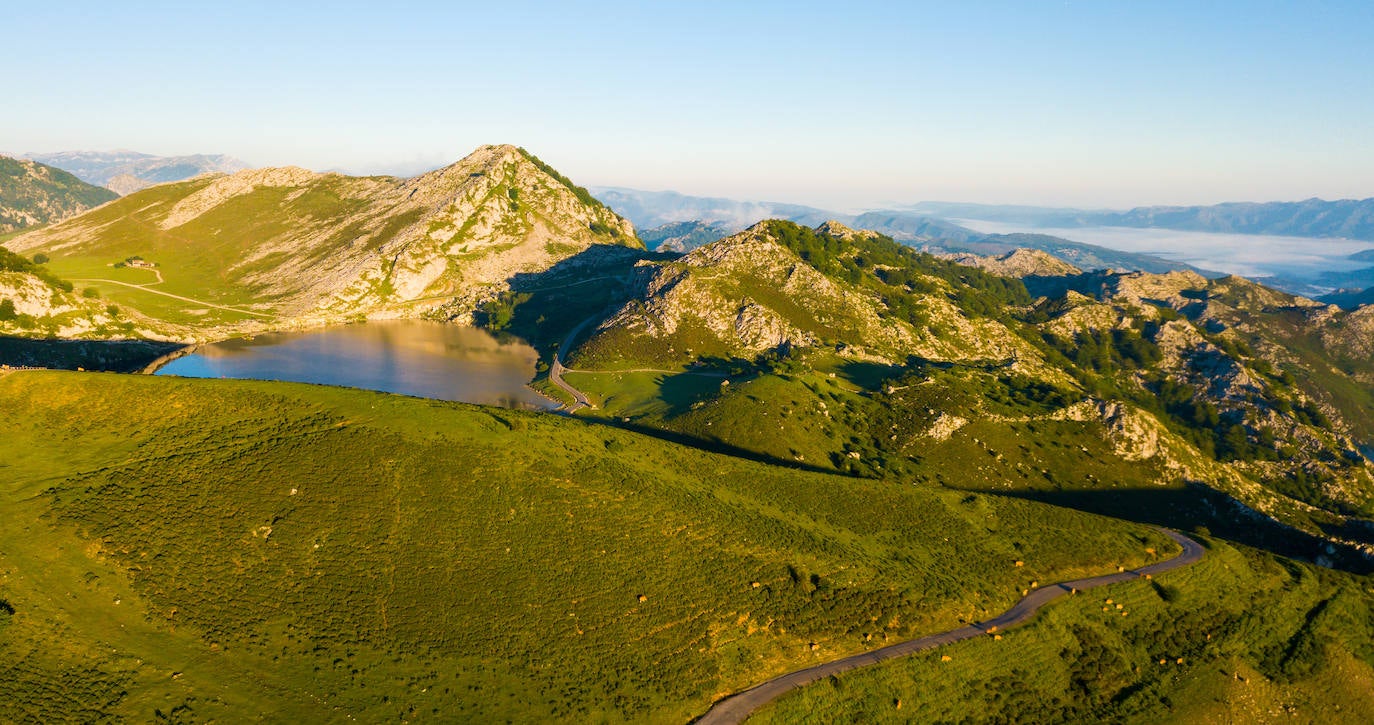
(841, 104)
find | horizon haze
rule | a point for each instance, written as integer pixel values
(863, 106)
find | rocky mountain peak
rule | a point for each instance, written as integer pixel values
(1175, 289)
(323, 247)
(485, 161)
(753, 248)
(835, 229)
(1018, 263)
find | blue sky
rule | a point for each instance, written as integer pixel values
(839, 104)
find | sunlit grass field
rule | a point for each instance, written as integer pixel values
(1240, 636)
(231, 550)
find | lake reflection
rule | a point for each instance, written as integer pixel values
(425, 359)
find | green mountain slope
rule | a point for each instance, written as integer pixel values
(782, 286)
(32, 194)
(844, 351)
(275, 247)
(1237, 637)
(226, 550)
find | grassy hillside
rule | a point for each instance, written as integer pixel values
(225, 550)
(1238, 637)
(32, 194)
(843, 351)
(267, 248)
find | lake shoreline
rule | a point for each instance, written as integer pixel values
(434, 360)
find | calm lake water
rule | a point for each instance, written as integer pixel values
(425, 359)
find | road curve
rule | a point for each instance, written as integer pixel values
(556, 370)
(737, 707)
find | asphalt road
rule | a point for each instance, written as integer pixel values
(556, 370)
(737, 707)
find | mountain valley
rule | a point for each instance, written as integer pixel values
(804, 441)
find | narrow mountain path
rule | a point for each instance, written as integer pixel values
(580, 400)
(201, 303)
(735, 708)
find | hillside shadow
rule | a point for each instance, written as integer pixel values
(869, 375)
(1055, 286)
(544, 306)
(116, 356)
(1200, 508)
(683, 390)
(711, 446)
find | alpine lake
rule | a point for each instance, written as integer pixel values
(422, 359)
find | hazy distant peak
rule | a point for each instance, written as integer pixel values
(127, 171)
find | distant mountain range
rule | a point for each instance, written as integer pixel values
(684, 236)
(1345, 218)
(125, 172)
(649, 209)
(680, 222)
(33, 194)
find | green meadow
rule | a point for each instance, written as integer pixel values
(1240, 636)
(192, 550)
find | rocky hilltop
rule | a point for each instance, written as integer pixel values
(1017, 263)
(33, 194)
(289, 246)
(755, 291)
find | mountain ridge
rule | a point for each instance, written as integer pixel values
(308, 248)
(685, 222)
(1260, 394)
(34, 194)
(1314, 217)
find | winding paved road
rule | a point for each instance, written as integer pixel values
(735, 708)
(556, 370)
